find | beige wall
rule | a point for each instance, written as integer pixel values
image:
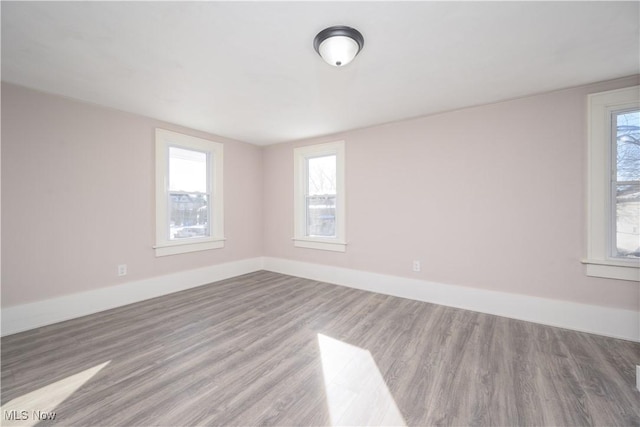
(491, 197)
(78, 198)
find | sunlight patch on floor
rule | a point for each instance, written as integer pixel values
(356, 391)
(40, 405)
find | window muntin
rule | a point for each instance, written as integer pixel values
(319, 207)
(625, 184)
(189, 211)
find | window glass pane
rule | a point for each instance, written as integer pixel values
(322, 175)
(628, 221)
(628, 146)
(321, 216)
(189, 216)
(187, 170)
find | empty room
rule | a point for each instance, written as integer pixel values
(320, 213)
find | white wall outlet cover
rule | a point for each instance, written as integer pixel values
(122, 270)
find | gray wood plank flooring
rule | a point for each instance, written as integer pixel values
(270, 349)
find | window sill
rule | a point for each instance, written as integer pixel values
(166, 249)
(612, 269)
(324, 245)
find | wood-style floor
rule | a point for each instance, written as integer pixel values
(270, 349)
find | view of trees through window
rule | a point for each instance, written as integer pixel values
(321, 196)
(626, 185)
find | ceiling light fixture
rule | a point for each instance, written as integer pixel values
(338, 45)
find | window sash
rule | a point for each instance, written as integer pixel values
(190, 234)
(614, 220)
(322, 219)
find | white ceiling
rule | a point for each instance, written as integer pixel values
(247, 70)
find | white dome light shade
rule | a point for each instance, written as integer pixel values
(339, 50)
(338, 45)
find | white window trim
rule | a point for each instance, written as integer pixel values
(164, 246)
(599, 262)
(338, 243)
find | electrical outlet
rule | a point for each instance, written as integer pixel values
(416, 265)
(122, 270)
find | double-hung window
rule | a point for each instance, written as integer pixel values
(189, 209)
(319, 191)
(613, 248)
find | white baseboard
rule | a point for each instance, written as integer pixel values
(41, 313)
(612, 322)
(607, 321)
